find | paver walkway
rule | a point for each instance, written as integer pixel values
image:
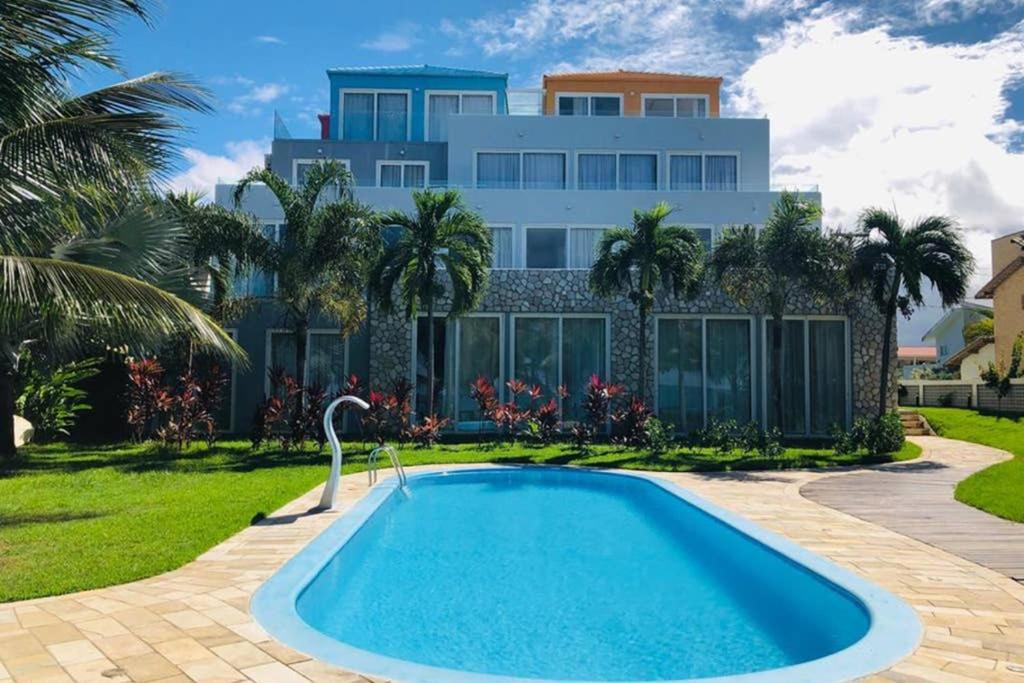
(193, 624)
(916, 498)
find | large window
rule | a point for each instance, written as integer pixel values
(326, 358)
(515, 170)
(402, 173)
(813, 365)
(560, 351)
(250, 282)
(301, 166)
(545, 247)
(696, 171)
(704, 371)
(375, 115)
(617, 171)
(441, 105)
(579, 104)
(503, 254)
(682, 106)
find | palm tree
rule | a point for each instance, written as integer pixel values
(766, 269)
(443, 245)
(895, 259)
(61, 286)
(636, 260)
(322, 259)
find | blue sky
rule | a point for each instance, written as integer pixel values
(915, 104)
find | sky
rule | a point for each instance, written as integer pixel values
(916, 105)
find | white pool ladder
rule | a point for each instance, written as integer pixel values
(372, 466)
(330, 495)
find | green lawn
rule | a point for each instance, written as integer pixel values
(998, 489)
(77, 517)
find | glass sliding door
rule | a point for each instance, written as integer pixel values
(357, 118)
(794, 417)
(326, 361)
(680, 373)
(827, 373)
(596, 172)
(544, 170)
(442, 352)
(392, 117)
(553, 351)
(728, 370)
(638, 171)
(479, 355)
(439, 107)
(536, 353)
(583, 355)
(497, 170)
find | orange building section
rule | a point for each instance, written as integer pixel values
(632, 85)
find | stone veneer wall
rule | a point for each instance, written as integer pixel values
(565, 291)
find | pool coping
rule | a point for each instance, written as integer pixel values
(895, 630)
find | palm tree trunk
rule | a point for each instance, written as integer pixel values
(7, 377)
(890, 320)
(430, 355)
(301, 340)
(777, 379)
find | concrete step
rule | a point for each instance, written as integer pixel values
(915, 431)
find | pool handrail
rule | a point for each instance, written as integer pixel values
(371, 469)
(330, 494)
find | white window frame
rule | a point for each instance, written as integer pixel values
(848, 379)
(704, 317)
(521, 152)
(703, 154)
(675, 103)
(376, 92)
(561, 317)
(461, 94)
(590, 102)
(270, 332)
(658, 171)
(499, 382)
(381, 163)
(515, 251)
(296, 162)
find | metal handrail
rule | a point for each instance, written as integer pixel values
(396, 463)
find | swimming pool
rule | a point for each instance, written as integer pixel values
(559, 574)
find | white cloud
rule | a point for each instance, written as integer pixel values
(258, 93)
(206, 170)
(946, 11)
(269, 40)
(399, 39)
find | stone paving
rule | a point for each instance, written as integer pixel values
(193, 624)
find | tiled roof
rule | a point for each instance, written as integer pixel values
(917, 353)
(989, 290)
(624, 75)
(415, 70)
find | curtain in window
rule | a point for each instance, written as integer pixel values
(357, 120)
(439, 108)
(596, 172)
(685, 173)
(543, 171)
(392, 116)
(479, 355)
(282, 353)
(583, 246)
(252, 282)
(583, 355)
(391, 175)
(573, 106)
(605, 106)
(545, 248)
(444, 351)
(415, 175)
(728, 370)
(326, 361)
(536, 352)
(721, 172)
(478, 104)
(638, 172)
(497, 170)
(794, 420)
(503, 250)
(691, 107)
(680, 374)
(661, 106)
(828, 374)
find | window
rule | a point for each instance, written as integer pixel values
(583, 246)
(813, 368)
(704, 370)
(618, 170)
(503, 254)
(326, 358)
(560, 351)
(681, 106)
(441, 105)
(402, 173)
(515, 170)
(589, 105)
(301, 166)
(696, 171)
(249, 282)
(375, 115)
(422, 369)
(545, 247)
(706, 233)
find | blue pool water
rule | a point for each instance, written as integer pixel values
(558, 574)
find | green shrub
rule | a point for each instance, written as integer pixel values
(886, 435)
(659, 436)
(49, 397)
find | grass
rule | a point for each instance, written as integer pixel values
(77, 517)
(999, 489)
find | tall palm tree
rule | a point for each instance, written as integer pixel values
(60, 286)
(443, 245)
(322, 260)
(766, 269)
(895, 259)
(636, 260)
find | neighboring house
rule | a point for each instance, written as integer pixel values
(973, 359)
(550, 170)
(914, 358)
(947, 335)
(1006, 290)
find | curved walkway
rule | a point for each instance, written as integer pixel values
(916, 498)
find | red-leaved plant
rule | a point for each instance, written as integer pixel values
(147, 397)
(631, 422)
(427, 432)
(597, 400)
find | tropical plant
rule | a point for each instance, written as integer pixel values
(443, 246)
(635, 261)
(598, 396)
(997, 378)
(982, 327)
(61, 286)
(631, 422)
(322, 259)
(50, 397)
(548, 421)
(766, 270)
(428, 431)
(896, 259)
